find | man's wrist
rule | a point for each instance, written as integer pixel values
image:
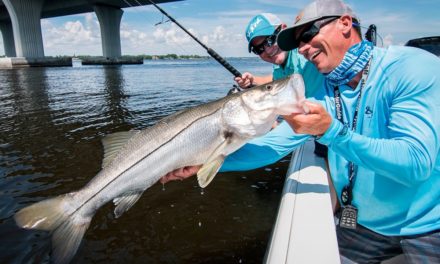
(332, 132)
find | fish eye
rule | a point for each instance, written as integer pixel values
(269, 87)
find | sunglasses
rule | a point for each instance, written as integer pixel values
(269, 41)
(311, 31)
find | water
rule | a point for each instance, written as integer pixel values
(51, 124)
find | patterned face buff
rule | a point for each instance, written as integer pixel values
(355, 59)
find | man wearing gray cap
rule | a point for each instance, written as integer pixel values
(378, 114)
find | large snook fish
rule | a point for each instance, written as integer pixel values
(135, 160)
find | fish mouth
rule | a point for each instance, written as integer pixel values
(292, 97)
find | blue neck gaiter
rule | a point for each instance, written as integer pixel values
(355, 59)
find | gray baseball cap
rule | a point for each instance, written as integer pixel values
(316, 10)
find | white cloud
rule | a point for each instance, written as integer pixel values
(80, 34)
(72, 37)
(175, 35)
(92, 23)
(164, 39)
(220, 34)
(397, 27)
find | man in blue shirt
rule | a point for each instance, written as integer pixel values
(378, 114)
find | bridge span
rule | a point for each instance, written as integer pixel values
(21, 28)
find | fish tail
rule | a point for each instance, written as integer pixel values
(58, 216)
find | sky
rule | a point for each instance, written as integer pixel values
(220, 25)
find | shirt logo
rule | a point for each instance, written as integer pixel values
(368, 111)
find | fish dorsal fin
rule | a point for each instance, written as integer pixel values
(208, 171)
(113, 143)
(123, 203)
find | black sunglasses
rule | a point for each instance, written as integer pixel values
(269, 41)
(313, 30)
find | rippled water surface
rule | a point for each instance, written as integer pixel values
(51, 124)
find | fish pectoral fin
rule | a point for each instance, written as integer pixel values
(113, 143)
(123, 203)
(208, 171)
(212, 165)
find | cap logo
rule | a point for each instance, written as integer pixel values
(299, 17)
(253, 26)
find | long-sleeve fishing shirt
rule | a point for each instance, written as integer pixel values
(395, 146)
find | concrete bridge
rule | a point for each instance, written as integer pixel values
(21, 28)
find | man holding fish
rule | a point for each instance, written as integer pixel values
(378, 114)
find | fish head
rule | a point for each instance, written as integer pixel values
(253, 112)
(281, 97)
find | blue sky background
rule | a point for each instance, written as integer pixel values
(220, 25)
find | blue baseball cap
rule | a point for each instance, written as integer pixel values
(263, 24)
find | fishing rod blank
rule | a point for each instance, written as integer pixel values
(210, 51)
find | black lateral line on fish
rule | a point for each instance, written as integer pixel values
(105, 186)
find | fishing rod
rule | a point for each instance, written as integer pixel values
(210, 51)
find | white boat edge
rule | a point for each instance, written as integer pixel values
(304, 231)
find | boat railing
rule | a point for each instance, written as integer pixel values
(304, 231)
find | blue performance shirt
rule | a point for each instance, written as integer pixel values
(395, 146)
